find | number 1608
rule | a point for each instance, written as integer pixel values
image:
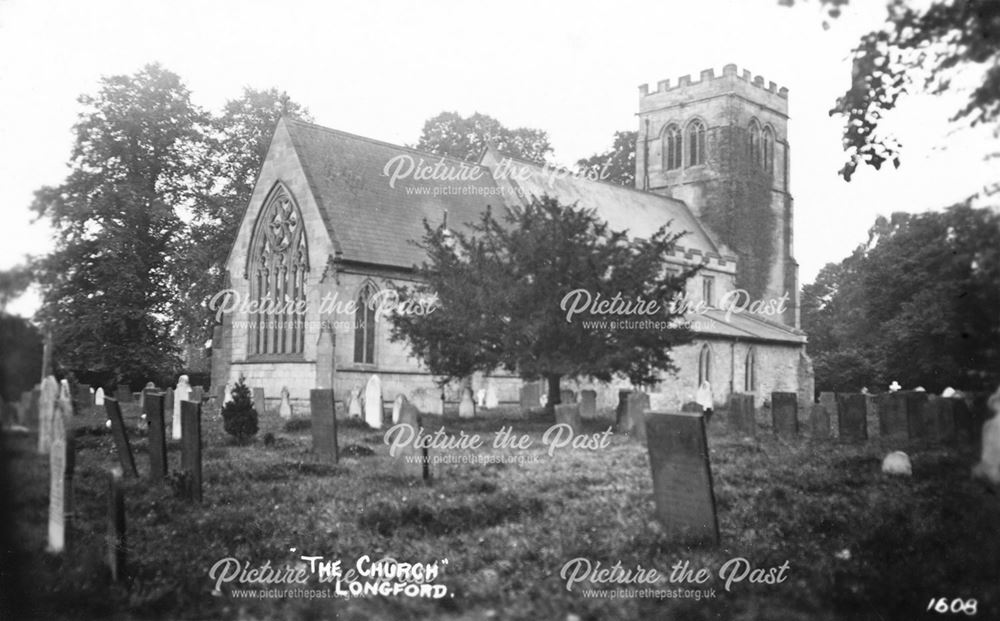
(941, 604)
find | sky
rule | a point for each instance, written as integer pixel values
(381, 68)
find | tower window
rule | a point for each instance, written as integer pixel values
(705, 365)
(696, 142)
(708, 290)
(753, 145)
(750, 372)
(768, 150)
(364, 326)
(672, 147)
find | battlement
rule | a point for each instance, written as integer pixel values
(729, 72)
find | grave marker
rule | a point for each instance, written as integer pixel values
(324, 425)
(414, 461)
(258, 400)
(588, 404)
(181, 394)
(852, 417)
(492, 399)
(197, 394)
(819, 421)
(682, 477)
(123, 394)
(191, 447)
(914, 404)
(154, 406)
(46, 413)
(892, 420)
(285, 407)
(354, 407)
(531, 395)
(117, 541)
(634, 421)
(466, 407)
(168, 402)
(569, 414)
(742, 415)
(62, 457)
(785, 413)
(99, 396)
(829, 402)
(121, 437)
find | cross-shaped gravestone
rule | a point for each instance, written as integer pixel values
(324, 424)
(121, 437)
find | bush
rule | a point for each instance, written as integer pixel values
(239, 418)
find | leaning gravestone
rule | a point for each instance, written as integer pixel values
(154, 406)
(893, 421)
(373, 402)
(682, 477)
(117, 542)
(569, 414)
(258, 400)
(354, 409)
(785, 413)
(123, 394)
(324, 425)
(588, 404)
(466, 407)
(742, 415)
(413, 462)
(819, 421)
(62, 457)
(852, 417)
(46, 413)
(492, 399)
(181, 393)
(99, 396)
(121, 438)
(285, 407)
(191, 448)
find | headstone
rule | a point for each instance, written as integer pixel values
(466, 408)
(373, 402)
(154, 406)
(892, 415)
(915, 401)
(150, 386)
(567, 396)
(197, 394)
(530, 395)
(191, 447)
(742, 414)
(682, 477)
(181, 393)
(703, 396)
(99, 396)
(354, 407)
(117, 541)
(83, 396)
(324, 425)
(123, 394)
(852, 414)
(621, 419)
(46, 413)
(634, 422)
(121, 438)
(397, 406)
(492, 399)
(829, 402)
(944, 415)
(932, 419)
(61, 464)
(692, 407)
(285, 407)
(481, 398)
(569, 414)
(258, 400)
(897, 463)
(168, 401)
(819, 421)
(785, 413)
(24, 412)
(427, 401)
(227, 393)
(588, 404)
(413, 461)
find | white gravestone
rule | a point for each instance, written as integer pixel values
(373, 402)
(99, 396)
(354, 407)
(466, 408)
(988, 467)
(57, 496)
(397, 407)
(285, 409)
(181, 393)
(228, 396)
(704, 396)
(481, 398)
(492, 400)
(46, 412)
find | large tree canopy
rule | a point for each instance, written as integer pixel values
(466, 138)
(617, 164)
(505, 291)
(918, 304)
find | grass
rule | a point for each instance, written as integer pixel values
(860, 545)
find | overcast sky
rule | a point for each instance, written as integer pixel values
(380, 69)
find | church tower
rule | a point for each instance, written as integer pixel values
(721, 145)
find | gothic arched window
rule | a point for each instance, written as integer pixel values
(696, 143)
(753, 144)
(768, 149)
(277, 270)
(672, 147)
(364, 325)
(705, 365)
(750, 371)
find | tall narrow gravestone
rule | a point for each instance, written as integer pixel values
(373, 402)
(181, 394)
(914, 403)
(154, 406)
(742, 417)
(852, 417)
(285, 407)
(117, 541)
(785, 413)
(121, 438)
(939, 418)
(46, 413)
(682, 477)
(634, 420)
(892, 420)
(191, 448)
(324, 424)
(819, 421)
(466, 407)
(354, 409)
(258, 400)
(569, 414)
(61, 463)
(413, 462)
(588, 403)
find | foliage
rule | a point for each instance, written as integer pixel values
(466, 138)
(20, 356)
(617, 164)
(108, 286)
(500, 287)
(918, 304)
(239, 418)
(13, 283)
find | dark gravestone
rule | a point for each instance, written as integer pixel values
(682, 477)
(413, 462)
(258, 400)
(852, 412)
(117, 541)
(944, 413)
(324, 424)
(742, 415)
(785, 413)
(692, 408)
(874, 420)
(154, 405)
(914, 416)
(965, 432)
(191, 447)
(123, 394)
(114, 412)
(819, 421)
(197, 396)
(588, 403)
(83, 397)
(168, 400)
(569, 414)
(892, 415)
(531, 395)
(620, 409)
(567, 396)
(931, 420)
(634, 422)
(829, 401)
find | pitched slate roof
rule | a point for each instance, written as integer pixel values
(370, 221)
(742, 326)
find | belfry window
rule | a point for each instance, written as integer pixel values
(753, 145)
(768, 150)
(696, 143)
(672, 148)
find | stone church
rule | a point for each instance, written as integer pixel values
(332, 218)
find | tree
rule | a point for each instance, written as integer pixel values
(507, 292)
(466, 139)
(108, 287)
(13, 283)
(617, 164)
(240, 139)
(918, 304)
(916, 48)
(239, 418)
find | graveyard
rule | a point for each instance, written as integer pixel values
(803, 492)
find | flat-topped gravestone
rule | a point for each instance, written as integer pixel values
(819, 421)
(258, 400)
(569, 414)
(466, 407)
(492, 398)
(324, 425)
(354, 409)
(123, 394)
(191, 448)
(914, 404)
(197, 394)
(829, 402)
(99, 396)
(935, 414)
(785, 413)
(742, 415)
(285, 407)
(121, 437)
(567, 396)
(117, 541)
(181, 393)
(588, 403)
(531, 394)
(692, 408)
(413, 462)
(682, 477)
(46, 412)
(373, 402)
(852, 417)
(892, 415)
(154, 405)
